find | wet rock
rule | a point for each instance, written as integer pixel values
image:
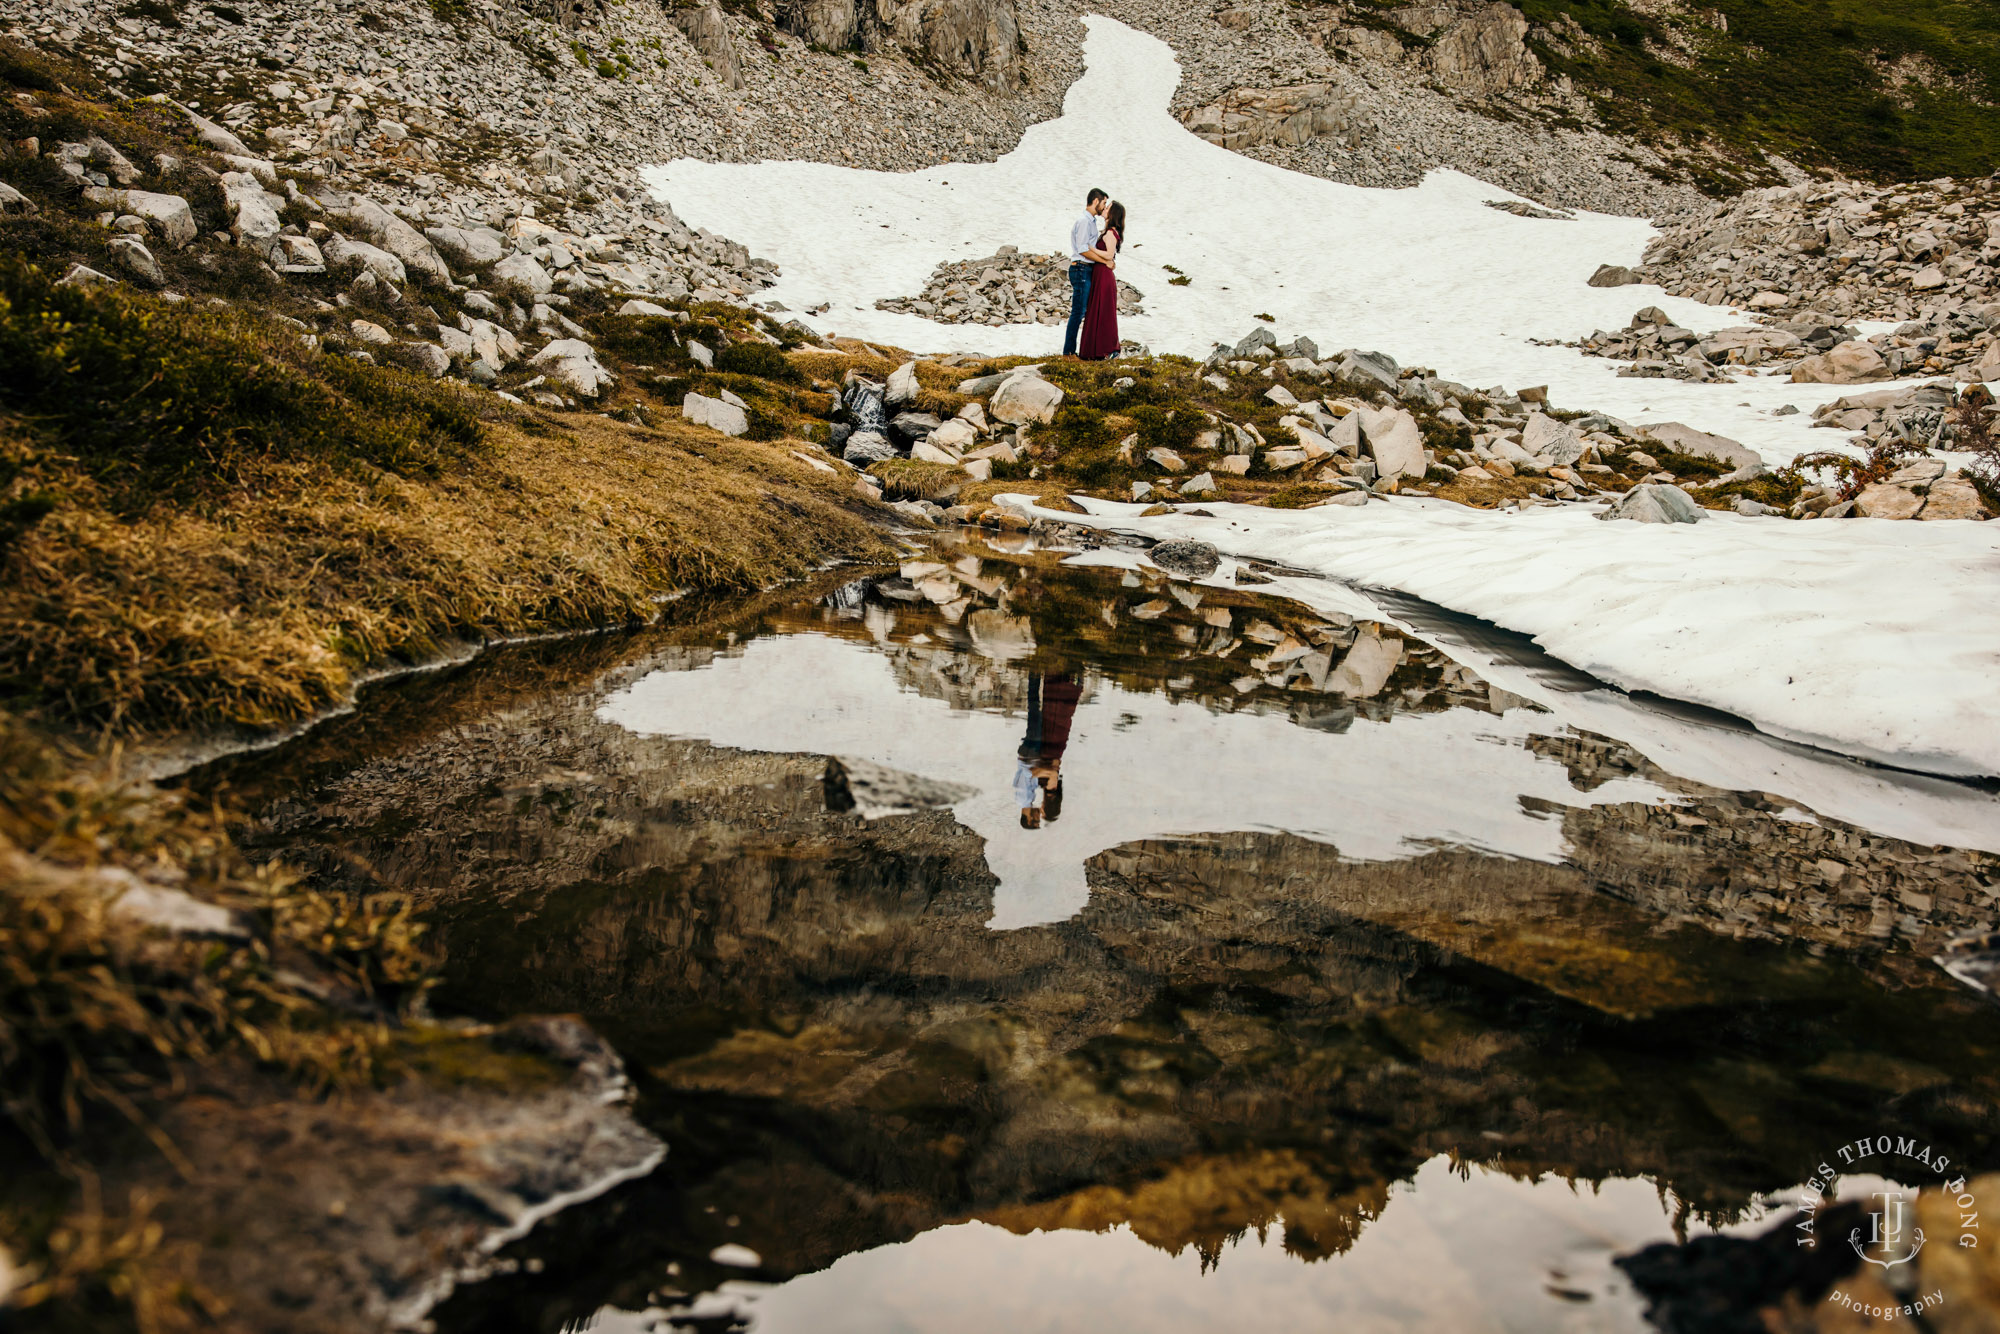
(866, 447)
(873, 791)
(1185, 556)
(865, 406)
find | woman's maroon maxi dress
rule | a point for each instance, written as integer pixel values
(1100, 317)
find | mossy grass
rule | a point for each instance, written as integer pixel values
(1821, 82)
(157, 398)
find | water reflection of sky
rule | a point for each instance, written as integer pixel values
(1473, 1251)
(1138, 765)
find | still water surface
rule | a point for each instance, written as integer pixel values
(1230, 960)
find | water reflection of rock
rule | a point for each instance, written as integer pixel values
(1238, 1031)
(1743, 864)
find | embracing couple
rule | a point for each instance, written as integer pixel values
(1093, 280)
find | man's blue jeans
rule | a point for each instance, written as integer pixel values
(1079, 301)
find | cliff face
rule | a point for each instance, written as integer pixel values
(975, 39)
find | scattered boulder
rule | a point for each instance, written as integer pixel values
(344, 256)
(1395, 441)
(521, 271)
(573, 363)
(902, 387)
(1686, 440)
(1847, 363)
(862, 448)
(1557, 441)
(1953, 498)
(732, 420)
(1615, 275)
(473, 247)
(169, 215)
(132, 255)
(1026, 398)
(1653, 502)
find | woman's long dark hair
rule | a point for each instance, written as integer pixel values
(1114, 221)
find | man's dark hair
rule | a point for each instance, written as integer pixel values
(1093, 197)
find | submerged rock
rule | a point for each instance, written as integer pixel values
(1185, 556)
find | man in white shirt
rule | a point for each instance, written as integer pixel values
(1082, 238)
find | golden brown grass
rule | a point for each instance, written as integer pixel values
(257, 608)
(914, 479)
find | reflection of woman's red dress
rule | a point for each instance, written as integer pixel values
(1100, 317)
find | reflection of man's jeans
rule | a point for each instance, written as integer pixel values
(1079, 301)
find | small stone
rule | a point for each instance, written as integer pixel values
(1201, 484)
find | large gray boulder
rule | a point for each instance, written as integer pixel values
(169, 215)
(1395, 441)
(866, 447)
(472, 247)
(391, 233)
(346, 256)
(573, 363)
(1653, 502)
(715, 414)
(1684, 439)
(1551, 439)
(521, 271)
(1362, 367)
(1026, 398)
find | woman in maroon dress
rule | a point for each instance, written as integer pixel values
(1100, 317)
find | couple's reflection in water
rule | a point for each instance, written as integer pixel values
(1038, 776)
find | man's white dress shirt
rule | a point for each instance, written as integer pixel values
(1082, 237)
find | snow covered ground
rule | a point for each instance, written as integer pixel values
(1867, 637)
(1430, 275)
(1873, 639)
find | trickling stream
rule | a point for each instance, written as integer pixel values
(1268, 968)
